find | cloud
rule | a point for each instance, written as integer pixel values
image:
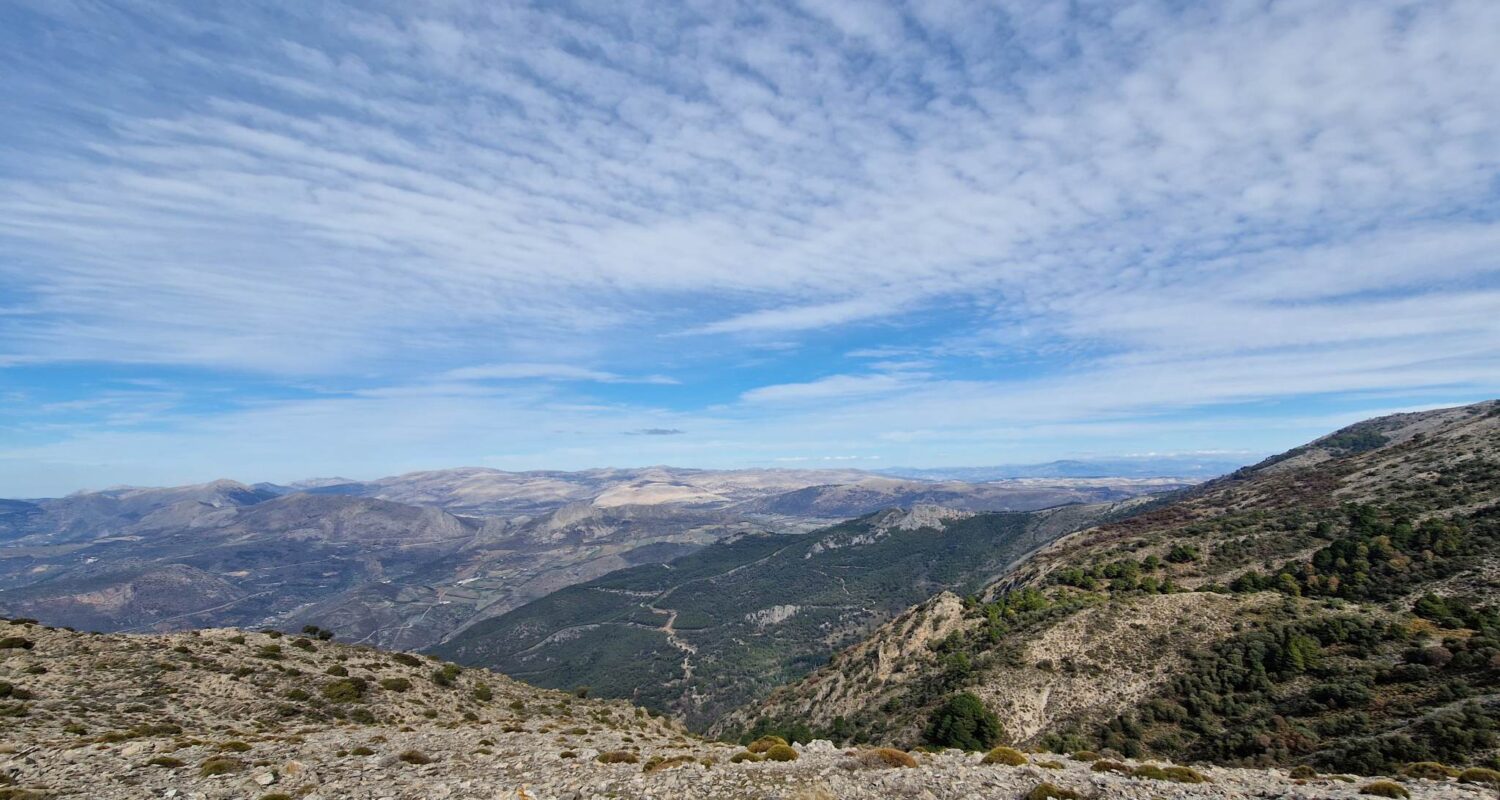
(656, 432)
(553, 372)
(1032, 219)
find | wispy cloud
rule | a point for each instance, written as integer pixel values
(1133, 214)
(552, 372)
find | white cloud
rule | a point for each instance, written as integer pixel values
(554, 372)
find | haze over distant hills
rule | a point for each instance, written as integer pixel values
(409, 560)
(1199, 466)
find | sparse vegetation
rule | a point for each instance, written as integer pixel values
(618, 757)
(1384, 789)
(1007, 756)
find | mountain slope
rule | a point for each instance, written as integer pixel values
(226, 715)
(716, 628)
(1335, 606)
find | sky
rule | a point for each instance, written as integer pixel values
(270, 241)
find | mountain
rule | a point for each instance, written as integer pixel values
(1197, 467)
(717, 628)
(223, 713)
(410, 560)
(1336, 606)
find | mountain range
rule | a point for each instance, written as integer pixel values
(409, 561)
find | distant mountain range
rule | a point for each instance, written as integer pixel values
(1197, 467)
(410, 560)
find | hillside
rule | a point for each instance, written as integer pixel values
(717, 628)
(226, 715)
(410, 560)
(1335, 606)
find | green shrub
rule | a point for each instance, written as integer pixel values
(1185, 775)
(618, 757)
(363, 716)
(1007, 756)
(238, 638)
(219, 766)
(234, 747)
(1047, 791)
(414, 757)
(344, 690)
(1050, 765)
(165, 761)
(446, 675)
(16, 643)
(406, 658)
(1085, 755)
(659, 763)
(964, 722)
(743, 755)
(765, 743)
(361, 751)
(276, 796)
(338, 671)
(781, 752)
(567, 754)
(483, 693)
(297, 695)
(1303, 772)
(395, 684)
(1429, 770)
(304, 644)
(1105, 765)
(1479, 775)
(1384, 789)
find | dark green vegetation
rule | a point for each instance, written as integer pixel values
(746, 615)
(963, 722)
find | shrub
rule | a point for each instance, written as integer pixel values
(483, 693)
(1479, 775)
(781, 752)
(238, 638)
(1105, 765)
(1430, 770)
(1085, 755)
(414, 757)
(964, 722)
(219, 766)
(234, 747)
(304, 644)
(1303, 772)
(1050, 764)
(363, 716)
(765, 743)
(1384, 789)
(16, 643)
(1047, 791)
(1185, 775)
(1008, 756)
(581, 692)
(270, 652)
(276, 796)
(567, 754)
(395, 684)
(344, 690)
(743, 755)
(887, 757)
(406, 658)
(361, 751)
(337, 671)
(618, 757)
(165, 761)
(446, 675)
(658, 763)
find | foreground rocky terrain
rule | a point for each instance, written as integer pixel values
(410, 560)
(222, 714)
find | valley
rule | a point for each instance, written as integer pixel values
(412, 560)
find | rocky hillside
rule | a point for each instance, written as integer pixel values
(714, 629)
(1336, 607)
(224, 714)
(410, 560)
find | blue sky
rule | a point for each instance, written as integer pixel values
(277, 240)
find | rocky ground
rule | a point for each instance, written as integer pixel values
(223, 714)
